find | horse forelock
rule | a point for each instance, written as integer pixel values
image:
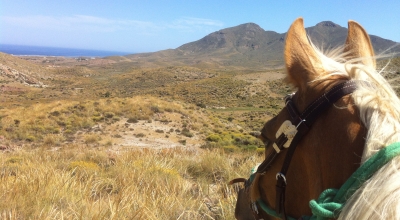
(379, 110)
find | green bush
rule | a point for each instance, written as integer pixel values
(243, 141)
(213, 138)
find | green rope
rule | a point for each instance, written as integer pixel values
(331, 201)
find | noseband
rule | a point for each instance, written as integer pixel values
(291, 133)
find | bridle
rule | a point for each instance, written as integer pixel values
(289, 135)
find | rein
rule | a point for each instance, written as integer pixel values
(330, 202)
(292, 133)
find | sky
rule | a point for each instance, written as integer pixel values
(135, 26)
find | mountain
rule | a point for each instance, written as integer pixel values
(246, 44)
(329, 35)
(249, 46)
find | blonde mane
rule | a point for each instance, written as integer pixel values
(379, 108)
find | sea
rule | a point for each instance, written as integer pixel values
(23, 50)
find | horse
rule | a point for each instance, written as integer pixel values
(343, 117)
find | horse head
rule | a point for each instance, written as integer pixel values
(324, 129)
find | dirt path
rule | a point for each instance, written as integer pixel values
(166, 130)
(261, 77)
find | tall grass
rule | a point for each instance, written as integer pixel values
(76, 182)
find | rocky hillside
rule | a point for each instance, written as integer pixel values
(329, 35)
(14, 69)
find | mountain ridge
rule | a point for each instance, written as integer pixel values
(249, 46)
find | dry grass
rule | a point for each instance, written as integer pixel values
(56, 122)
(83, 183)
(47, 176)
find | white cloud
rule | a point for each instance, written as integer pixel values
(200, 22)
(83, 23)
(86, 23)
(190, 24)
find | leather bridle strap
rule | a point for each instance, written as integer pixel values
(308, 117)
(303, 122)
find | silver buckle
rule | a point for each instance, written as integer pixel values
(282, 176)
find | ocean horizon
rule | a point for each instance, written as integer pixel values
(24, 50)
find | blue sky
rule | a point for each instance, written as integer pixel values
(148, 26)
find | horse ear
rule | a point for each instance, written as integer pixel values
(302, 62)
(358, 45)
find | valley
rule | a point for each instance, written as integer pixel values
(144, 136)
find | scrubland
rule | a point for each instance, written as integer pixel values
(123, 142)
(64, 160)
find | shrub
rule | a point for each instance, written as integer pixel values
(97, 118)
(132, 120)
(159, 131)
(155, 109)
(52, 130)
(213, 138)
(109, 114)
(55, 113)
(201, 105)
(185, 132)
(61, 123)
(140, 135)
(91, 139)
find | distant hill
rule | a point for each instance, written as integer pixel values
(14, 69)
(249, 46)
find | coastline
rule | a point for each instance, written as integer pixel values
(39, 51)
